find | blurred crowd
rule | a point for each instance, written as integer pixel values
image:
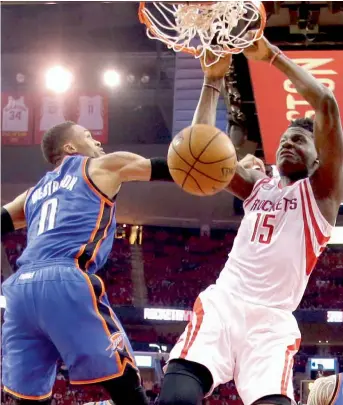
(180, 263)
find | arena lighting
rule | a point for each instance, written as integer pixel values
(111, 78)
(143, 361)
(58, 79)
(337, 236)
(166, 314)
(335, 317)
(20, 78)
(2, 301)
(156, 346)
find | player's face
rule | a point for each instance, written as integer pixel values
(84, 143)
(296, 156)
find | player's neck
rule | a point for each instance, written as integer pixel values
(288, 181)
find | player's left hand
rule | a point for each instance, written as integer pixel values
(217, 70)
(261, 49)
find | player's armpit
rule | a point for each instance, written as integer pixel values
(243, 181)
(109, 171)
(15, 210)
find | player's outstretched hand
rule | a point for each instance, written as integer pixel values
(252, 162)
(261, 49)
(218, 69)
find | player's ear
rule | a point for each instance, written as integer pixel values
(315, 165)
(69, 149)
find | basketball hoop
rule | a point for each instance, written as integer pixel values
(197, 27)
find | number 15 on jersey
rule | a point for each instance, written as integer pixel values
(263, 229)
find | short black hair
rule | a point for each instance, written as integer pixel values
(53, 141)
(305, 123)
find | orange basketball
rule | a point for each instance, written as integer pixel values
(202, 160)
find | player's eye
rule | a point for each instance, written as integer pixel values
(298, 139)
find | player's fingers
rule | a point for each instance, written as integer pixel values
(249, 36)
(260, 165)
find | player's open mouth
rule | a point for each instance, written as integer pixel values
(286, 153)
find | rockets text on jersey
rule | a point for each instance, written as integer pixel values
(69, 218)
(91, 112)
(277, 245)
(15, 115)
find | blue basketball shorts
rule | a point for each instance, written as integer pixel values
(53, 311)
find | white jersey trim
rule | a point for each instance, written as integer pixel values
(255, 190)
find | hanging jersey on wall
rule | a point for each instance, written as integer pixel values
(51, 114)
(91, 112)
(93, 115)
(16, 120)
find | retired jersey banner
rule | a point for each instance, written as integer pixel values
(277, 101)
(93, 115)
(49, 111)
(16, 119)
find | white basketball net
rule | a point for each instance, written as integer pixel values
(226, 22)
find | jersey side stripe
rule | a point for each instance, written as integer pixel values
(90, 183)
(311, 258)
(98, 239)
(83, 247)
(321, 238)
(88, 251)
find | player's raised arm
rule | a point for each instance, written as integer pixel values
(109, 171)
(244, 179)
(13, 215)
(327, 176)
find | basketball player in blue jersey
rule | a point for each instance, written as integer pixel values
(56, 305)
(327, 391)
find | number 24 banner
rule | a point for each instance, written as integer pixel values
(16, 119)
(277, 101)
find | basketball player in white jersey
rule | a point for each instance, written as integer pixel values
(327, 391)
(242, 327)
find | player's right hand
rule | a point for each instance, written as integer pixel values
(217, 70)
(261, 49)
(252, 162)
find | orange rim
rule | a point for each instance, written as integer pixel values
(144, 19)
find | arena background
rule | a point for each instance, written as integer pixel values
(169, 245)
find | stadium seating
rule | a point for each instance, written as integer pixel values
(178, 264)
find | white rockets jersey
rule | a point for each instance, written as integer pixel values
(52, 112)
(277, 245)
(15, 116)
(91, 112)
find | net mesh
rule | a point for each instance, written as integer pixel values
(219, 27)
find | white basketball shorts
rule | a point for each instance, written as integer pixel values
(234, 339)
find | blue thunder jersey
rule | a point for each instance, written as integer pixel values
(68, 217)
(337, 398)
